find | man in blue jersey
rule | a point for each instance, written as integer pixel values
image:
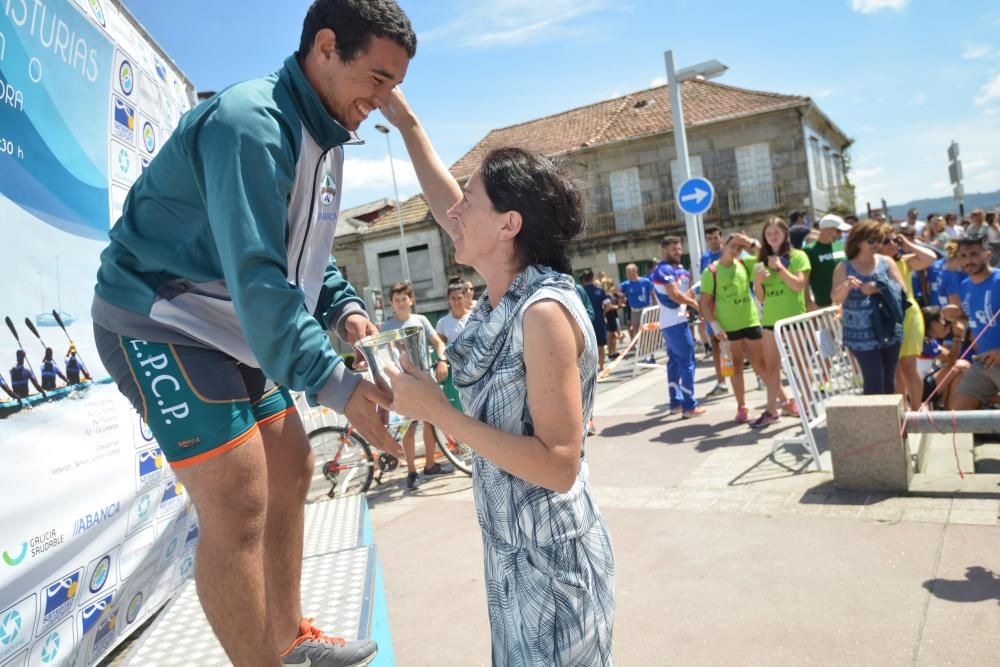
(639, 292)
(672, 285)
(978, 302)
(713, 241)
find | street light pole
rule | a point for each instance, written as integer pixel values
(691, 222)
(399, 211)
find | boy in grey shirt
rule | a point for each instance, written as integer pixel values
(401, 298)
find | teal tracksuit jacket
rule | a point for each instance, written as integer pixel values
(224, 241)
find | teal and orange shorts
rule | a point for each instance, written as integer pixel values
(198, 402)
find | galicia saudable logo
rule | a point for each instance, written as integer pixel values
(14, 560)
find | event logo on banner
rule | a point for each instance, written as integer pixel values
(58, 600)
(123, 120)
(149, 467)
(91, 613)
(55, 647)
(17, 625)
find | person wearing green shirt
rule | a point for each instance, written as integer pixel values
(727, 304)
(824, 256)
(780, 280)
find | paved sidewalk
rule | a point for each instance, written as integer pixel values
(723, 553)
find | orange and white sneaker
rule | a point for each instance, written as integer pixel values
(314, 649)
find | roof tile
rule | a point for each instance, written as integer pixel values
(634, 115)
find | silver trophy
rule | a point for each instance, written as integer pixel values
(385, 348)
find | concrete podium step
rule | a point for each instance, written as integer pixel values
(341, 587)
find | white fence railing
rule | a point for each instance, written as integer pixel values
(756, 198)
(650, 339)
(817, 367)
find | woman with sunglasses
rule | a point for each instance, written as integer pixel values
(910, 258)
(856, 282)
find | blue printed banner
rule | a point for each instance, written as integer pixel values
(55, 69)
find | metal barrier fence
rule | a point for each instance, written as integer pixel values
(817, 367)
(314, 417)
(650, 339)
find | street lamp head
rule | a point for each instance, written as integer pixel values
(706, 70)
(382, 128)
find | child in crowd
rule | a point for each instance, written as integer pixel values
(401, 298)
(936, 361)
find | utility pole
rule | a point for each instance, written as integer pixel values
(955, 176)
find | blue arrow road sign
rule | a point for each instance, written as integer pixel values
(695, 196)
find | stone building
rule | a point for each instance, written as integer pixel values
(765, 153)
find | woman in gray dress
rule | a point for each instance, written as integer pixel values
(525, 366)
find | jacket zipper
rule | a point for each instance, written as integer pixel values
(312, 204)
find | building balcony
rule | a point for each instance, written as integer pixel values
(756, 199)
(654, 217)
(841, 197)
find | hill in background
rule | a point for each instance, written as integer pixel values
(984, 200)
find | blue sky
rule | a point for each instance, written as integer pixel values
(901, 77)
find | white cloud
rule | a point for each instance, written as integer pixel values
(658, 81)
(990, 91)
(502, 23)
(822, 94)
(873, 6)
(374, 175)
(919, 100)
(973, 51)
(867, 129)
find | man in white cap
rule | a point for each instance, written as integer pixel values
(824, 255)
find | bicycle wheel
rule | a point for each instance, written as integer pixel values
(344, 458)
(459, 453)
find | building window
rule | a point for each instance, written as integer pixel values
(838, 166)
(755, 177)
(678, 179)
(626, 199)
(831, 178)
(390, 269)
(817, 162)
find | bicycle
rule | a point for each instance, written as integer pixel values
(349, 464)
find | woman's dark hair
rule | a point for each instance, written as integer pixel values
(859, 234)
(549, 204)
(355, 22)
(931, 315)
(765, 248)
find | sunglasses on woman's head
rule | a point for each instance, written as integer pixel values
(874, 241)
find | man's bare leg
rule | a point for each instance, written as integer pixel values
(229, 492)
(289, 474)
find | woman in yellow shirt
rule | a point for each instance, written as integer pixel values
(909, 257)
